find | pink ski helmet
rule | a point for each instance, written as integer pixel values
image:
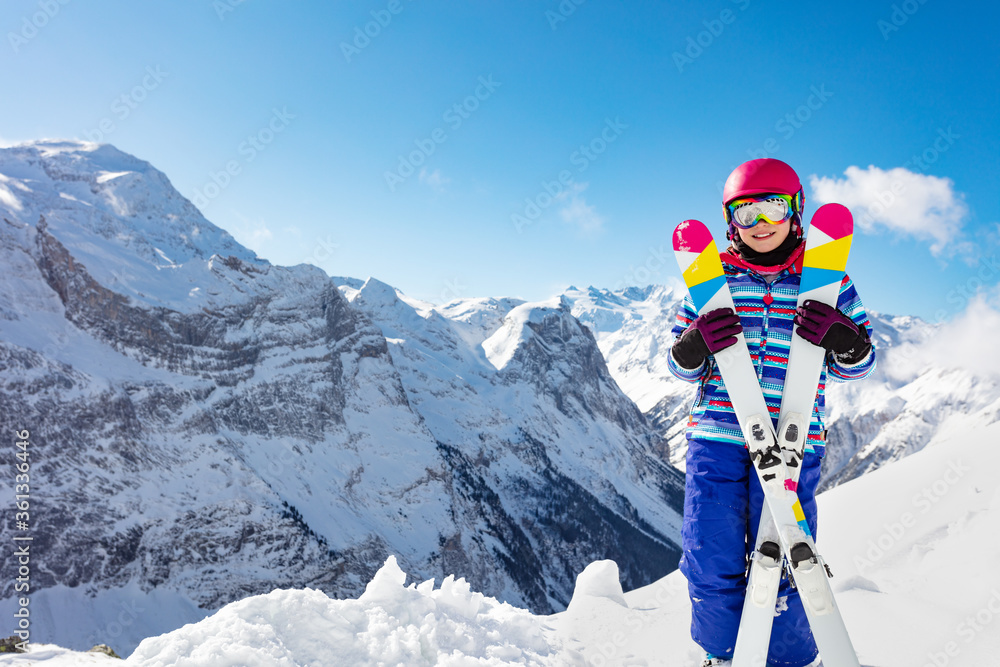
(761, 176)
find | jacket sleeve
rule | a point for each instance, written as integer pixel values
(850, 304)
(685, 316)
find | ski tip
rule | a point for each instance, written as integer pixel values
(828, 246)
(834, 220)
(692, 236)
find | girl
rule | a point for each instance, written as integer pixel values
(763, 204)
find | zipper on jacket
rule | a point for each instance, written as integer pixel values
(703, 384)
(768, 300)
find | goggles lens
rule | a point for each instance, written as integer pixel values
(748, 212)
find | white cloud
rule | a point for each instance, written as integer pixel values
(900, 200)
(963, 342)
(576, 211)
(434, 179)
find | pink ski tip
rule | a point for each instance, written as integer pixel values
(791, 485)
(834, 220)
(692, 236)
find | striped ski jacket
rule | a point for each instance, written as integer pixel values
(766, 311)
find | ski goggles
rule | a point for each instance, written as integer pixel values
(774, 209)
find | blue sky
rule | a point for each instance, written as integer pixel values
(411, 140)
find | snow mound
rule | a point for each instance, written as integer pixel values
(389, 624)
(598, 580)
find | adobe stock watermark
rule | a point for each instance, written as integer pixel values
(924, 501)
(223, 7)
(697, 44)
(644, 273)
(787, 125)
(971, 627)
(960, 295)
(249, 149)
(453, 117)
(898, 18)
(559, 188)
(793, 121)
(129, 613)
(123, 105)
(610, 647)
(32, 25)
(564, 10)
(945, 140)
(323, 250)
(23, 521)
(453, 289)
(363, 35)
(285, 457)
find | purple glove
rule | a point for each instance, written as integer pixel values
(827, 327)
(709, 333)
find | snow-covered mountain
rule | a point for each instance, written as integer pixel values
(918, 392)
(207, 426)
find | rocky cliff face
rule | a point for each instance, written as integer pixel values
(209, 424)
(148, 415)
(543, 446)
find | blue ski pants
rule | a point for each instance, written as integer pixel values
(722, 505)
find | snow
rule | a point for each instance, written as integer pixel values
(598, 580)
(501, 346)
(121, 218)
(916, 543)
(55, 656)
(389, 624)
(114, 617)
(451, 359)
(632, 328)
(106, 176)
(8, 198)
(913, 546)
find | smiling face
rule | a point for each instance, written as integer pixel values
(765, 237)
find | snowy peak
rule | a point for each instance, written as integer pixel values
(377, 295)
(120, 217)
(480, 318)
(114, 183)
(521, 325)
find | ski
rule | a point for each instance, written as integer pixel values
(828, 245)
(699, 262)
(698, 258)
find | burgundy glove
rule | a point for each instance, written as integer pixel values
(709, 333)
(827, 327)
